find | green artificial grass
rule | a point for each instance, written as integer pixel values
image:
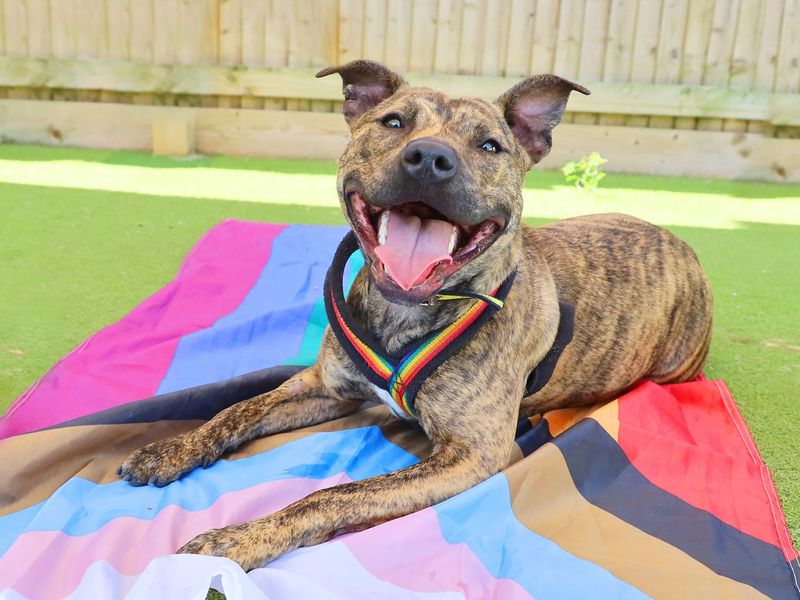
(87, 234)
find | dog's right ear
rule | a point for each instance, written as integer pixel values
(365, 84)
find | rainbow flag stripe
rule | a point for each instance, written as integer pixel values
(409, 367)
(374, 360)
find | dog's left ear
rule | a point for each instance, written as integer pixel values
(365, 84)
(533, 107)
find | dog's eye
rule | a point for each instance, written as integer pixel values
(490, 146)
(392, 121)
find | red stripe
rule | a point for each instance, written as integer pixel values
(683, 438)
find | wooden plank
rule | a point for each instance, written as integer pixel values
(270, 133)
(88, 124)
(351, 28)
(568, 50)
(714, 155)
(173, 133)
(695, 46)
(38, 27)
(254, 21)
(276, 33)
(15, 26)
(197, 40)
(788, 72)
(619, 49)
(3, 92)
(545, 37)
(118, 29)
(645, 48)
(142, 31)
(448, 36)
(290, 134)
(767, 60)
(720, 51)
(230, 43)
(670, 50)
(165, 34)
(374, 32)
(324, 32)
(593, 48)
(607, 97)
(520, 38)
(423, 36)
(300, 43)
(398, 34)
(494, 43)
(469, 50)
(745, 55)
(570, 32)
(63, 34)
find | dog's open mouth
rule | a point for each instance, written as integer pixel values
(414, 246)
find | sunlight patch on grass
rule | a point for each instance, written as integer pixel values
(666, 201)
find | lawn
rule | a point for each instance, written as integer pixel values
(86, 234)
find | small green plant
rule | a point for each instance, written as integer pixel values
(585, 173)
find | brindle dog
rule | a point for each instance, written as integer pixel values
(642, 307)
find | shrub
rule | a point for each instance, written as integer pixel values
(585, 173)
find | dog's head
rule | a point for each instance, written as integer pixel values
(431, 185)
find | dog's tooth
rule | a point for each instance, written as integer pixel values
(453, 240)
(383, 226)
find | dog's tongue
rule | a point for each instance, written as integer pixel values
(413, 246)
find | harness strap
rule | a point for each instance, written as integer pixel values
(403, 374)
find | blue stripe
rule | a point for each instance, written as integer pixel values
(482, 518)
(80, 507)
(268, 327)
(318, 320)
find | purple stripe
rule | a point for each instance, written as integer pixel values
(128, 360)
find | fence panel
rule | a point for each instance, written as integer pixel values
(708, 65)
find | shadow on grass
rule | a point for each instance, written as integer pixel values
(536, 179)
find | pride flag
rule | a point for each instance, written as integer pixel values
(660, 493)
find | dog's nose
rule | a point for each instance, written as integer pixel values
(429, 160)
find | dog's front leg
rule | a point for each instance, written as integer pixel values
(301, 401)
(458, 463)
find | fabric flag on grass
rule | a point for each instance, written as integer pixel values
(661, 493)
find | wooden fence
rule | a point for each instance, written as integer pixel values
(695, 87)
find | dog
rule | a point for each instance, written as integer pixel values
(571, 313)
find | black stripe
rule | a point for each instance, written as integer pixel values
(531, 438)
(606, 478)
(201, 402)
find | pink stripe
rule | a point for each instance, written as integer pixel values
(129, 544)
(128, 360)
(411, 552)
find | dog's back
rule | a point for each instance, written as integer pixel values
(625, 278)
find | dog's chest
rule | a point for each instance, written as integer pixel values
(387, 399)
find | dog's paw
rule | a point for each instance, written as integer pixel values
(162, 462)
(241, 543)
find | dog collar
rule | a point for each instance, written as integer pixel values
(402, 374)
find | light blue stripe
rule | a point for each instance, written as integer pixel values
(318, 320)
(268, 327)
(482, 518)
(80, 507)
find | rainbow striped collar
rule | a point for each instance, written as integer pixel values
(403, 374)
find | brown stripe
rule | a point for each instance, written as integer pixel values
(545, 500)
(36, 464)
